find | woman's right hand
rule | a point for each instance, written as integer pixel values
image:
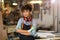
(24, 32)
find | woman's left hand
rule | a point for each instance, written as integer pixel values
(24, 32)
(27, 33)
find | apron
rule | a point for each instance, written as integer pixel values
(24, 37)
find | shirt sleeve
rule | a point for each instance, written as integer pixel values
(19, 24)
(33, 29)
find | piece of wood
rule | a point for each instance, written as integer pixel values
(3, 33)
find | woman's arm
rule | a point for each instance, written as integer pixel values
(21, 31)
(24, 32)
(33, 29)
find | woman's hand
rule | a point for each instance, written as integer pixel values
(24, 32)
(21, 31)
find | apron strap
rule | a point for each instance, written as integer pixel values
(23, 25)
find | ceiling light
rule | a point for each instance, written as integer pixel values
(15, 4)
(36, 2)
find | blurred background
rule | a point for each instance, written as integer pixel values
(46, 14)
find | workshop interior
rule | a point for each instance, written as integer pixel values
(46, 15)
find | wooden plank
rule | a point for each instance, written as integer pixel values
(1, 37)
(3, 33)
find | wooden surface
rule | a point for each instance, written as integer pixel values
(3, 34)
(54, 38)
(1, 27)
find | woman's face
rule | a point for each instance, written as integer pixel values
(26, 13)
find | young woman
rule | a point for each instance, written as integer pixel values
(26, 27)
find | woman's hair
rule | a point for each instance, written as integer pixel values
(26, 7)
